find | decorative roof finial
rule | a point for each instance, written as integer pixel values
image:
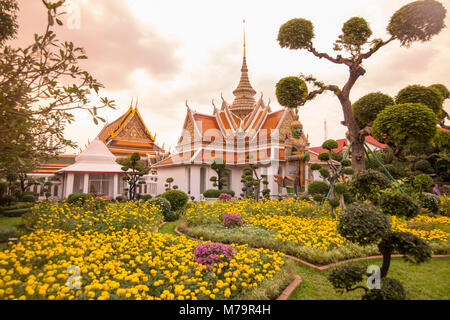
(187, 106)
(136, 103)
(131, 104)
(244, 36)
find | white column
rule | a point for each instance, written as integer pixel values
(115, 185)
(69, 184)
(195, 182)
(86, 183)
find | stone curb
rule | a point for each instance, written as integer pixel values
(290, 288)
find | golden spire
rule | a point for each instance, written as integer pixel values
(244, 93)
(244, 36)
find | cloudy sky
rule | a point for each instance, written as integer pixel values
(165, 52)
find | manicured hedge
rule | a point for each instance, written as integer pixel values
(214, 193)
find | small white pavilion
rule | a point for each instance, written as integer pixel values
(95, 171)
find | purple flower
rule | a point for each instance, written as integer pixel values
(232, 220)
(210, 253)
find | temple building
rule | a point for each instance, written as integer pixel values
(120, 138)
(245, 131)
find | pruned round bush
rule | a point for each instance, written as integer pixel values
(343, 278)
(330, 144)
(296, 34)
(315, 166)
(398, 204)
(423, 182)
(348, 171)
(334, 203)
(346, 162)
(28, 198)
(324, 156)
(163, 205)
(171, 216)
(422, 165)
(414, 248)
(391, 289)
(214, 193)
(291, 92)
(363, 224)
(318, 197)
(443, 90)
(369, 182)
(119, 198)
(145, 197)
(356, 31)
(417, 123)
(318, 187)
(324, 173)
(430, 201)
(79, 198)
(340, 188)
(7, 232)
(176, 198)
(427, 96)
(369, 106)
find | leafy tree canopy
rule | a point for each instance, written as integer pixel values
(406, 123)
(369, 106)
(417, 21)
(296, 34)
(427, 96)
(291, 92)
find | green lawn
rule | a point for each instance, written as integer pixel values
(427, 281)
(10, 221)
(169, 227)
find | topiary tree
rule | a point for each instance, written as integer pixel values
(398, 203)
(417, 21)
(168, 184)
(367, 184)
(403, 124)
(423, 182)
(251, 183)
(318, 189)
(365, 224)
(337, 170)
(219, 166)
(430, 201)
(134, 169)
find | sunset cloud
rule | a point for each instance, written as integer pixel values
(165, 52)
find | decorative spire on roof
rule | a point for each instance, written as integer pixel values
(244, 93)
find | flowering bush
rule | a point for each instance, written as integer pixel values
(225, 197)
(232, 220)
(211, 253)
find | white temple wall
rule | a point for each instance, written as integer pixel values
(177, 173)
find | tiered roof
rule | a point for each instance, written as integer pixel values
(128, 134)
(234, 132)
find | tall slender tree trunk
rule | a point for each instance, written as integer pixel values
(358, 160)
